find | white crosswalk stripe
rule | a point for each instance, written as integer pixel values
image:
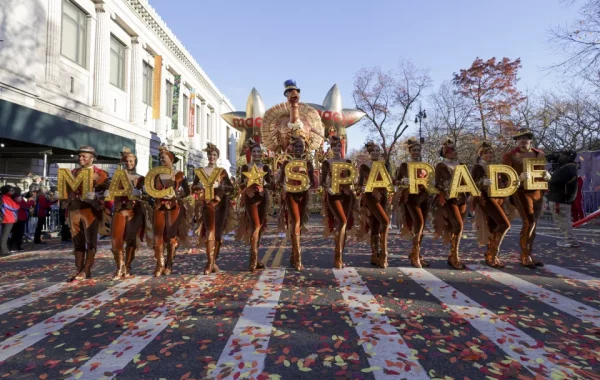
(564, 304)
(35, 333)
(381, 340)
(31, 297)
(590, 281)
(253, 329)
(249, 341)
(123, 349)
(510, 339)
(9, 287)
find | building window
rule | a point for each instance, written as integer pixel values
(186, 110)
(208, 128)
(74, 33)
(117, 63)
(198, 119)
(147, 85)
(169, 102)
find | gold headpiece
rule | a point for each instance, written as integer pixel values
(411, 142)
(369, 146)
(164, 149)
(485, 145)
(126, 152)
(210, 147)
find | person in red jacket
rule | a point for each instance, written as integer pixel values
(18, 230)
(577, 212)
(43, 209)
(8, 216)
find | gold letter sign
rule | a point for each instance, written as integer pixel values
(120, 186)
(529, 165)
(151, 179)
(336, 172)
(461, 174)
(66, 180)
(415, 181)
(378, 169)
(296, 176)
(208, 182)
(513, 180)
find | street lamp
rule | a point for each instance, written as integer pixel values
(419, 119)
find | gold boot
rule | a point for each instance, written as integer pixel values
(489, 253)
(337, 260)
(414, 256)
(424, 263)
(215, 268)
(527, 260)
(254, 262)
(297, 252)
(383, 257)
(78, 265)
(293, 258)
(171, 247)
(120, 262)
(375, 250)
(86, 273)
(210, 257)
(498, 237)
(159, 255)
(453, 259)
(129, 256)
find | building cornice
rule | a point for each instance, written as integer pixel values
(151, 18)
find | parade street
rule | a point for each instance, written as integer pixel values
(359, 322)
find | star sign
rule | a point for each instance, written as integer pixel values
(248, 122)
(255, 177)
(333, 115)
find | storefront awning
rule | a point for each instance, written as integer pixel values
(26, 124)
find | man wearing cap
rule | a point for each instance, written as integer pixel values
(85, 215)
(529, 203)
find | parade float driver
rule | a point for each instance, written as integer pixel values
(85, 214)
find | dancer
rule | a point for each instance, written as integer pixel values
(128, 219)
(169, 213)
(450, 212)
(376, 204)
(491, 222)
(85, 214)
(529, 203)
(337, 207)
(255, 200)
(413, 208)
(214, 211)
(296, 204)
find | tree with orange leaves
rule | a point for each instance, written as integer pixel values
(491, 85)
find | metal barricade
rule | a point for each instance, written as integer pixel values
(53, 220)
(591, 201)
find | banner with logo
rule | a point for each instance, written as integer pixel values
(156, 82)
(192, 114)
(176, 89)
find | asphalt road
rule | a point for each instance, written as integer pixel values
(359, 322)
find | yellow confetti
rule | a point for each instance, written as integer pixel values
(370, 369)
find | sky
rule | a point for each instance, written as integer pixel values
(262, 43)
